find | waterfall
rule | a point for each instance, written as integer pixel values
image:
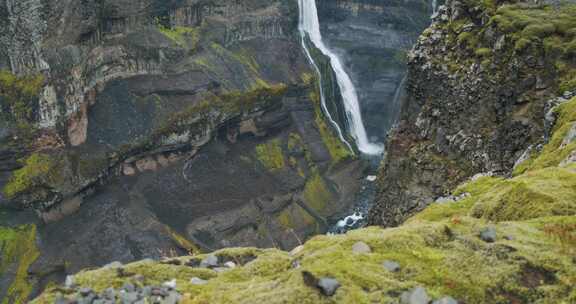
(398, 94)
(434, 6)
(309, 26)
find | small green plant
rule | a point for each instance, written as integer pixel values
(37, 166)
(270, 154)
(18, 94)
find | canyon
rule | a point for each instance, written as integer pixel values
(137, 129)
(197, 151)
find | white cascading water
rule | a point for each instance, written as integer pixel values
(309, 26)
(398, 94)
(434, 6)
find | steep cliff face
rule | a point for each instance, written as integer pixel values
(373, 38)
(139, 129)
(478, 85)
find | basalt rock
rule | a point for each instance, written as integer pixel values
(475, 102)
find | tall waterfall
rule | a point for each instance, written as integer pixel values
(309, 26)
(434, 6)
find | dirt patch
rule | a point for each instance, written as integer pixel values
(533, 276)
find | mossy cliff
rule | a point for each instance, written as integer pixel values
(444, 249)
(18, 251)
(478, 90)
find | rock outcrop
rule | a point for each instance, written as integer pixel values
(477, 93)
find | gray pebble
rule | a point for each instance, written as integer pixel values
(209, 262)
(417, 295)
(112, 265)
(70, 282)
(170, 284)
(128, 287)
(85, 291)
(488, 234)
(198, 281)
(139, 278)
(146, 291)
(445, 300)
(172, 298)
(328, 286)
(220, 269)
(109, 294)
(159, 292)
(391, 266)
(361, 247)
(128, 297)
(61, 300)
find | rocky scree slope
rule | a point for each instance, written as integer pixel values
(506, 240)
(479, 83)
(141, 129)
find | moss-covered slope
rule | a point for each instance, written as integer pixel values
(530, 260)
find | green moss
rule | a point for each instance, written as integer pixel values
(554, 152)
(536, 26)
(219, 107)
(307, 79)
(18, 94)
(19, 251)
(182, 242)
(288, 217)
(270, 154)
(337, 149)
(457, 264)
(294, 142)
(483, 52)
(36, 167)
(316, 193)
(182, 36)
(541, 193)
(468, 39)
(436, 212)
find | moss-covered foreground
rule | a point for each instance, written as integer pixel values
(531, 261)
(17, 252)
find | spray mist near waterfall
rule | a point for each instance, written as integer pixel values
(309, 26)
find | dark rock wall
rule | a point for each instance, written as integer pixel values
(466, 111)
